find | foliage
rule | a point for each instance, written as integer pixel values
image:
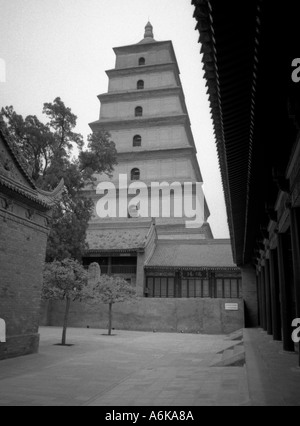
(47, 150)
(64, 279)
(109, 289)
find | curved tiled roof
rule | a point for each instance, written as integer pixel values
(29, 190)
(251, 106)
(116, 239)
(230, 58)
(201, 254)
(18, 159)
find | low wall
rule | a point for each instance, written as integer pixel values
(24, 344)
(205, 316)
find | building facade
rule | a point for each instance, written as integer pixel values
(25, 214)
(256, 115)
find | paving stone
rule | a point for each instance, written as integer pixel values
(122, 371)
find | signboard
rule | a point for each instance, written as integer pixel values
(194, 274)
(2, 331)
(160, 274)
(231, 306)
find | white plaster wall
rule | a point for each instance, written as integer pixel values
(151, 107)
(152, 170)
(153, 138)
(147, 213)
(153, 55)
(151, 81)
(155, 170)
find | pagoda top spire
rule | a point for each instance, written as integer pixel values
(148, 30)
(148, 36)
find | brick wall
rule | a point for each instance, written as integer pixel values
(22, 253)
(207, 316)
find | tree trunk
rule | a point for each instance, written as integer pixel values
(64, 334)
(109, 319)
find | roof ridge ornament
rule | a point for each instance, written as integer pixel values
(148, 30)
(148, 35)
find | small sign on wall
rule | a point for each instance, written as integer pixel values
(2, 331)
(231, 306)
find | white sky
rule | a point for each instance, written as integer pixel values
(63, 47)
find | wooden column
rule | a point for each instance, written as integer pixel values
(250, 295)
(212, 285)
(274, 281)
(258, 297)
(285, 299)
(177, 284)
(109, 266)
(140, 274)
(295, 236)
(260, 293)
(268, 297)
(263, 298)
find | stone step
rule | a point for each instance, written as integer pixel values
(238, 349)
(227, 355)
(216, 359)
(234, 358)
(234, 355)
(236, 335)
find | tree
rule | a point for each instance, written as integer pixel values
(32, 139)
(108, 289)
(64, 280)
(47, 150)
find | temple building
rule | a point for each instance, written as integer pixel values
(256, 113)
(25, 217)
(161, 249)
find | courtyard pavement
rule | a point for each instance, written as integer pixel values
(147, 369)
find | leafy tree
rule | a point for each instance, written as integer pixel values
(47, 150)
(62, 121)
(64, 280)
(108, 289)
(31, 138)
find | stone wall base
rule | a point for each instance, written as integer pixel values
(19, 345)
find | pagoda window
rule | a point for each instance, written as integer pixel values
(135, 174)
(137, 140)
(138, 111)
(140, 85)
(142, 61)
(133, 211)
